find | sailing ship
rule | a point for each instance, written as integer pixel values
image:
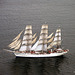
(45, 46)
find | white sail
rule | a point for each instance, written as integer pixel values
(44, 26)
(26, 42)
(58, 30)
(18, 36)
(25, 48)
(28, 27)
(42, 42)
(44, 31)
(34, 36)
(28, 32)
(58, 35)
(57, 39)
(45, 47)
(35, 45)
(59, 42)
(39, 48)
(43, 36)
(27, 39)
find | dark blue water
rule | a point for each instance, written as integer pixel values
(16, 14)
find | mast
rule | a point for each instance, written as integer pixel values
(57, 38)
(36, 44)
(42, 44)
(27, 39)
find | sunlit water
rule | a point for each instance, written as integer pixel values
(16, 14)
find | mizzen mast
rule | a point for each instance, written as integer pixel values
(57, 38)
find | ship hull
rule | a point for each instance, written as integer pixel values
(39, 55)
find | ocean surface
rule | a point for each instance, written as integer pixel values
(16, 14)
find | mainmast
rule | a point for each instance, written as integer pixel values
(42, 42)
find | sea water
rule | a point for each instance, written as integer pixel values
(16, 14)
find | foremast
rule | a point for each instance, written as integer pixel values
(27, 39)
(24, 44)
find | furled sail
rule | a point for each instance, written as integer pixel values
(27, 39)
(42, 42)
(57, 39)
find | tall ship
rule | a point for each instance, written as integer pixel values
(45, 46)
